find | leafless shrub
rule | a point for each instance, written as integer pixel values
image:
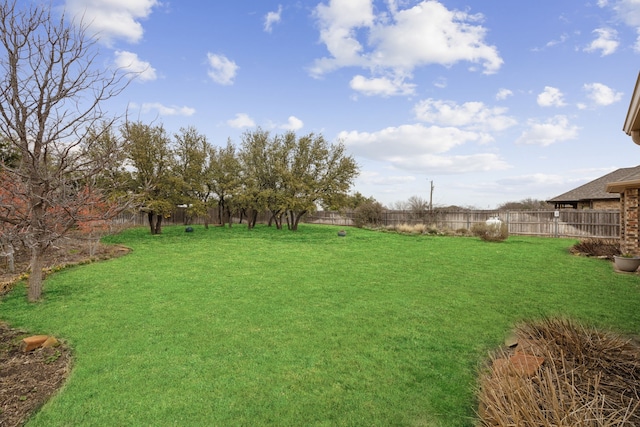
(589, 378)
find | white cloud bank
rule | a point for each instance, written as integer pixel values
(555, 129)
(419, 148)
(396, 41)
(470, 115)
(112, 19)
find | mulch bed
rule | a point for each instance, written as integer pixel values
(28, 379)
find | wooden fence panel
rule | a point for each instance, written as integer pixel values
(563, 223)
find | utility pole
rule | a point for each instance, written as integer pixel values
(431, 198)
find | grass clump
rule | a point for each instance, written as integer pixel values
(491, 232)
(588, 378)
(604, 248)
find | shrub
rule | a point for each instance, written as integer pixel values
(491, 232)
(597, 247)
(368, 214)
(411, 228)
(462, 231)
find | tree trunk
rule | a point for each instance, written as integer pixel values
(295, 219)
(276, 218)
(155, 223)
(35, 277)
(158, 227)
(250, 223)
(150, 216)
(9, 252)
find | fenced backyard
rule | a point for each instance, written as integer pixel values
(543, 223)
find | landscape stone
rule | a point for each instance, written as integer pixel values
(34, 342)
(50, 342)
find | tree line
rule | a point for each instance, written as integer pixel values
(283, 174)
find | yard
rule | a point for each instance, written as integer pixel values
(270, 327)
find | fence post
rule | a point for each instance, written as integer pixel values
(556, 216)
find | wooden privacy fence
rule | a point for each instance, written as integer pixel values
(562, 223)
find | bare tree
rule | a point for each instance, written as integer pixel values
(51, 89)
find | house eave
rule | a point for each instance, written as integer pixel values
(632, 121)
(621, 186)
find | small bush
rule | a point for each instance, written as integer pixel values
(491, 233)
(411, 228)
(368, 214)
(597, 247)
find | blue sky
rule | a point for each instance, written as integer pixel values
(492, 101)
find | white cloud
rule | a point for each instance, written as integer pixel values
(555, 129)
(130, 63)
(381, 86)
(503, 94)
(376, 178)
(563, 38)
(167, 111)
(472, 115)
(397, 41)
(272, 18)
(602, 95)
(293, 124)
(628, 11)
(241, 120)
(483, 162)
(112, 19)
(606, 41)
(551, 97)
(221, 69)
(421, 148)
(533, 179)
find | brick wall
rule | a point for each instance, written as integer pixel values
(629, 201)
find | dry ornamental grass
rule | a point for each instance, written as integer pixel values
(588, 378)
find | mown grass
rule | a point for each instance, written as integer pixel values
(230, 327)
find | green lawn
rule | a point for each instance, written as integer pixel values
(226, 327)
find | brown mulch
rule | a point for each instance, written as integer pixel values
(29, 379)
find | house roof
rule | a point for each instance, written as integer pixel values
(597, 189)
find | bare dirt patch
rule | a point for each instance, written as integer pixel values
(29, 379)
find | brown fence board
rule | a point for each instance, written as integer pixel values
(563, 223)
